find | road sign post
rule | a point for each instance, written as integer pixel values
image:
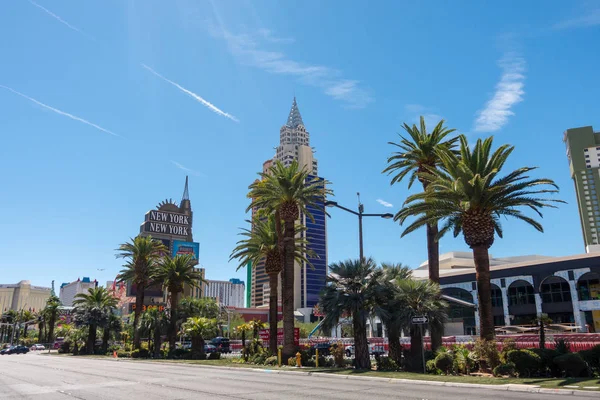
(421, 320)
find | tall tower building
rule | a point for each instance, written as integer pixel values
(583, 152)
(294, 144)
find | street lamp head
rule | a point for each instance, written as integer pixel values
(330, 203)
(387, 216)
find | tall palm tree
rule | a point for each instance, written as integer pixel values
(470, 197)
(352, 289)
(10, 317)
(417, 298)
(199, 328)
(261, 244)
(174, 273)
(142, 254)
(287, 192)
(192, 307)
(389, 305)
(93, 309)
(113, 326)
(51, 314)
(418, 153)
(25, 316)
(154, 322)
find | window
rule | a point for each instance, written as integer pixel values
(587, 156)
(585, 150)
(520, 295)
(499, 320)
(496, 297)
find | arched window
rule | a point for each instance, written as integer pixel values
(520, 292)
(555, 289)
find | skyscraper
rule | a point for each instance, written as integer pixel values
(294, 144)
(583, 152)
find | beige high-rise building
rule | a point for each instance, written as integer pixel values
(23, 296)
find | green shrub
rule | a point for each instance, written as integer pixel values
(464, 359)
(571, 364)
(142, 353)
(337, 351)
(562, 346)
(180, 354)
(292, 361)
(592, 357)
(259, 358)
(444, 361)
(507, 345)
(505, 369)
(214, 356)
(487, 353)
(547, 366)
(123, 354)
(198, 355)
(526, 362)
(386, 364)
(271, 360)
(431, 368)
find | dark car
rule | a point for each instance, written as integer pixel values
(323, 348)
(222, 344)
(209, 348)
(15, 350)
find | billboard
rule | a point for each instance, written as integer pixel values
(181, 247)
(264, 335)
(167, 223)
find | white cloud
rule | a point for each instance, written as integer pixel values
(385, 203)
(591, 17)
(249, 49)
(509, 91)
(59, 19)
(209, 105)
(56, 110)
(186, 169)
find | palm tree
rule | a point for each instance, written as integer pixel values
(420, 153)
(389, 306)
(174, 273)
(199, 328)
(141, 253)
(26, 316)
(260, 244)
(114, 325)
(353, 289)
(417, 298)
(287, 192)
(470, 197)
(192, 307)
(243, 328)
(154, 322)
(51, 314)
(10, 317)
(93, 309)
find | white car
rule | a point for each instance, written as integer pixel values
(374, 350)
(38, 347)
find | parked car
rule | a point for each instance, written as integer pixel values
(209, 348)
(15, 350)
(374, 350)
(222, 344)
(37, 347)
(323, 348)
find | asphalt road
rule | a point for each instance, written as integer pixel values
(35, 376)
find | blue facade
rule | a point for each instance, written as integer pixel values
(316, 234)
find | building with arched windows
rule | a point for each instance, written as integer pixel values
(567, 289)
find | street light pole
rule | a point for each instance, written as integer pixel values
(360, 214)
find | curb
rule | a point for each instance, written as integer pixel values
(510, 387)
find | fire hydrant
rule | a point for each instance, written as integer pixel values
(298, 360)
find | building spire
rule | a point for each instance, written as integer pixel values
(186, 194)
(294, 119)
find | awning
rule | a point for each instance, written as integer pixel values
(458, 301)
(298, 314)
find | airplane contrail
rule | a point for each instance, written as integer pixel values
(211, 106)
(59, 19)
(76, 118)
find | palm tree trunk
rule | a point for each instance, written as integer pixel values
(289, 347)
(91, 339)
(25, 332)
(139, 304)
(105, 337)
(157, 342)
(51, 324)
(395, 350)
(361, 346)
(273, 284)
(173, 321)
(484, 292)
(416, 346)
(433, 261)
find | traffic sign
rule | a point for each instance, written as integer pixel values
(420, 320)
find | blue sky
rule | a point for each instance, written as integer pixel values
(93, 134)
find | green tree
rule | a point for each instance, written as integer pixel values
(352, 290)
(242, 329)
(142, 253)
(199, 328)
(203, 307)
(418, 298)
(93, 309)
(470, 197)
(153, 321)
(51, 315)
(113, 326)
(260, 244)
(389, 305)
(174, 273)
(419, 153)
(287, 192)
(24, 317)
